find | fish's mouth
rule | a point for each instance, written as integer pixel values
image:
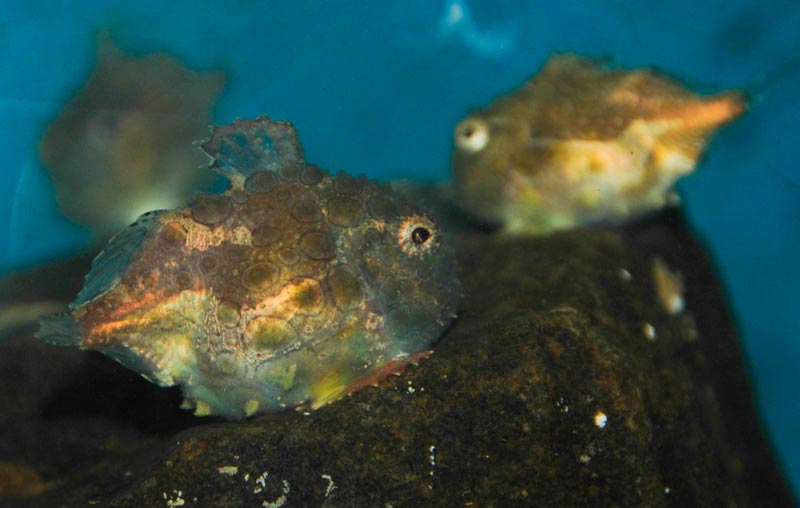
(471, 135)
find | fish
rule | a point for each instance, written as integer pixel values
(292, 288)
(123, 144)
(581, 143)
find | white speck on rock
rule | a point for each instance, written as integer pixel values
(600, 419)
(330, 487)
(280, 500)
(228, 470)
(261, 483)
(649, 331)
(177, 501)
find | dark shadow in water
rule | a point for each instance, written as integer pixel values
(102, 388)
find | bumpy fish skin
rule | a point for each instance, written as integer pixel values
(294, 287)
(581, 143)
(123, 144)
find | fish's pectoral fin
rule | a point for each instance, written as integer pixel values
(248, 146)
(108, 266)
(332, 388)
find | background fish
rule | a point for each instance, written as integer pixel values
(581, 143)
(122, 145)
(292, 287)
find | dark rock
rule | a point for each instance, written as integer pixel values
(546, 392)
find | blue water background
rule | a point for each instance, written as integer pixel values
(377, 86)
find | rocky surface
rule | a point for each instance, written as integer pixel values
(563, 383)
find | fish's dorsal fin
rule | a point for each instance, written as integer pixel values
(247, 146)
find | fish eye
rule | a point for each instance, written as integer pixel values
(418, 235)
(472, 135)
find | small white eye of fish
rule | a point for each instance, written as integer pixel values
(418, 235)
(472, 135)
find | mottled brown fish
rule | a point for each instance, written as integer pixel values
(294, 287)
(581, 143)
(123, 144)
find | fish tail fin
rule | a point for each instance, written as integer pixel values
(718, 110)
(707, 115)
(737, 101)
(59, 329)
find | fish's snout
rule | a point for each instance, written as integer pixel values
(471, 135)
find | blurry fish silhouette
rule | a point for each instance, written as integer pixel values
(123, 144)
(581, 143)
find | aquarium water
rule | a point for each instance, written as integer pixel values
(377, 87)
